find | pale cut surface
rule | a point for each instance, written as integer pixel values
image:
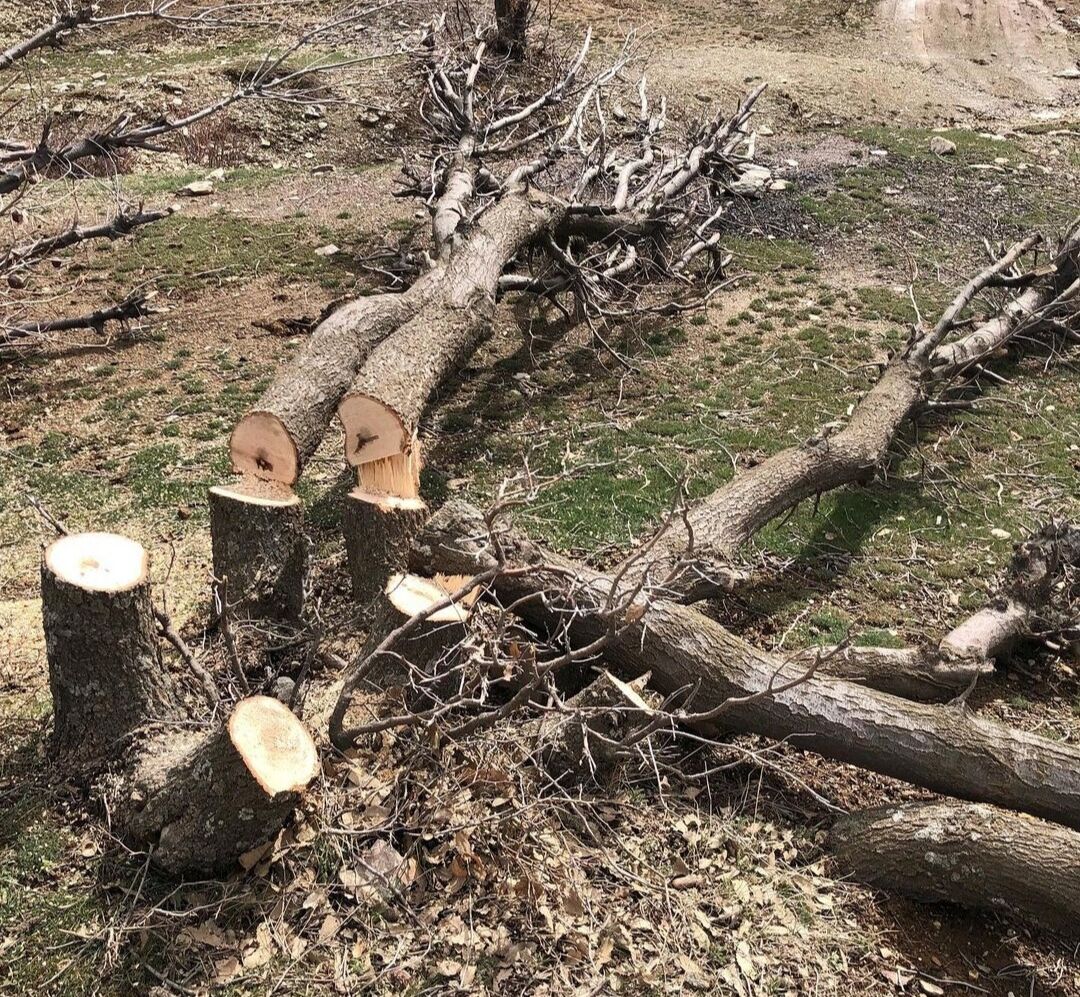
(274, 494)
(98, 562)
(373, 430)
(395, 475)
(388, 503)
(275, 746)
(411, 594)
(261, 446)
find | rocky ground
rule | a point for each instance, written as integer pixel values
(875, 229)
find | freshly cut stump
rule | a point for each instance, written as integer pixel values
(966, 853)
(260, 551)
(379, 530)
(199, 803)
(105, 667)
(411, 659)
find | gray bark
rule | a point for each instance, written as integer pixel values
(968, 854)
(378, 532)
(106, 672)
(948, 750)
(260, 551)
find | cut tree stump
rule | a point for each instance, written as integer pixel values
(260, 551)
(413, 658)
(105, 667)
(968, 854)
(379, 531)
(197, 803)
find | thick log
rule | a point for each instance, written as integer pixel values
(105, 667)
(379, 530)
(277, 438)
(968, 854)
(741, 688)
(382, 410)
(511, 24)
(198, 802)
(725, 520)
(260, 551)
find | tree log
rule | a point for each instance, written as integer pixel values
(381, 412)
(105, 667)
(260, 551)
(198, 802)
(741, 688)
(721, 523)
(968, 854)
(379, 530)
(908, 673)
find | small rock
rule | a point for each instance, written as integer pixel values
(197, 188)
(171, 86)
(283, 689)
(999, 534)
(369, 118)
(879, 153)
(322, 168)
(313, 111)
(327, 250)
(16, 281)
(1072, 73)
(183, 512)
(941, 146)
(218, 174)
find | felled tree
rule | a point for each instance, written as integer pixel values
(545, 190)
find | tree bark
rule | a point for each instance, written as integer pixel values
(968, 854)
(948, 750)
(106, 672)
(382, 410)
(198, 802)
(904, 672)
(260, 551)
(721, 523)
(1043, 573)
(378, 529)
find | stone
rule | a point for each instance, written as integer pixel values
(941, 146)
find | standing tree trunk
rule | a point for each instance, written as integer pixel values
(260, 550)
(105, 667)
(511, 25)
(968, 854)
(741, 688)
(379, 531)
(196, 802)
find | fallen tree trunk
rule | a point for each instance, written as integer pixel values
(738, 687)
(196, 802)
(968, 854)
(381, 412)
(721, 523)
(905, 672)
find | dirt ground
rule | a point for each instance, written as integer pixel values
(127, 434)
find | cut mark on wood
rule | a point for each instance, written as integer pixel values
(411, 594)
(398, 474)
(373, 430)
(261, 447)
(275, 746)
(98, 562)
(256, 491)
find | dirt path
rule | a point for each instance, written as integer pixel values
(991, 42)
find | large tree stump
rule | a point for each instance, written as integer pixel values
(260, 551)
(105, 668)
(379, 530)
(197, 803)
(968, 854)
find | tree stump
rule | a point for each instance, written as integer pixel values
(197, 803)
(260, 551)
(379, 531)
(105, 668)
